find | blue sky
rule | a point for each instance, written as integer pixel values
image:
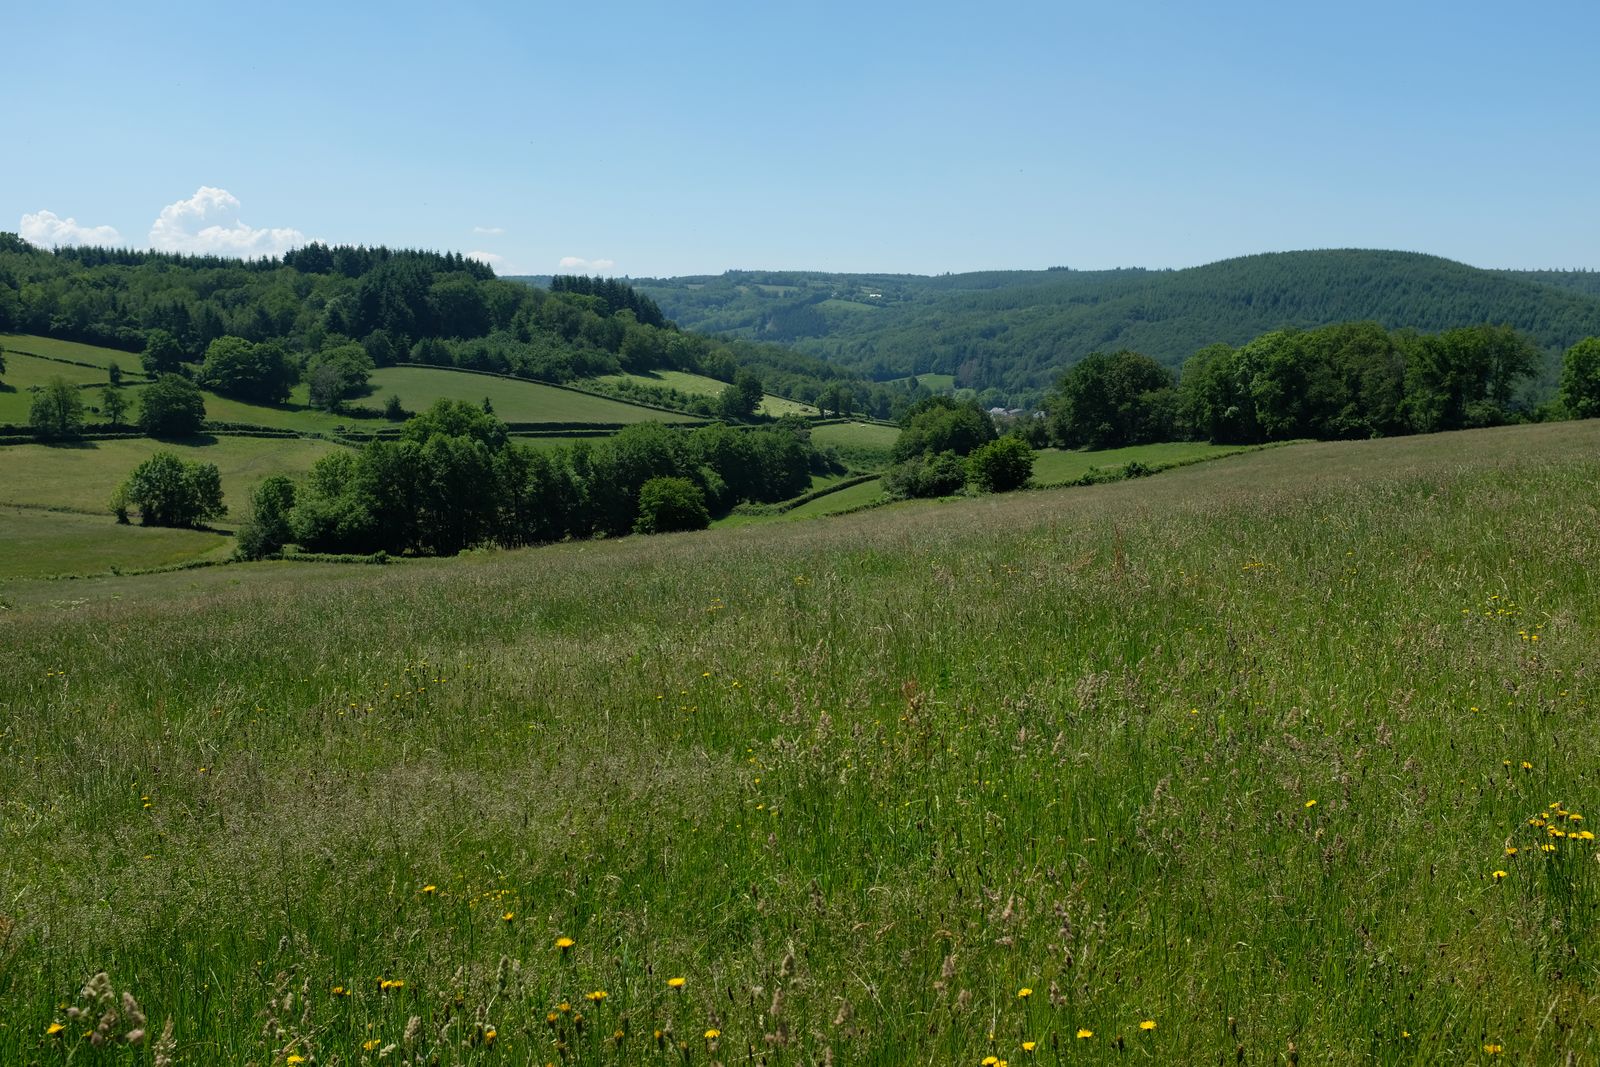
(655, 139)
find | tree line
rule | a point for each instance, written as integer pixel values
(1351, 380)
(454, 479)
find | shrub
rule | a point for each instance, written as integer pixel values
(926, 476)
(1001, 466)
(667, 505)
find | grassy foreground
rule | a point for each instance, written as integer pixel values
(1221, 765)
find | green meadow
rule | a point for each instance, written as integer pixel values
(37, 543)
(1289, 757)
(81, 475)
(513, 400)
(701, 385)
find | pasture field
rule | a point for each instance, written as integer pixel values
(1290, 758)
(513, 400)
(24, 371)
(37, 543)
(81, 475)
(700, 385)
(1052, 466)
(862, 444)
(74, 350)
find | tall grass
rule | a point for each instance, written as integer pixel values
(1235, 751)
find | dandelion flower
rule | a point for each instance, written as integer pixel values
(597, 996)
(508, 916)
(1024, 993)
(292, 1060)
(1148, 1024)
(1499, 875)
(563, 1007)
(430, 889)
(1511, 851)
(1029, 1046)
(1085, 1032)
(675, 983)
(371, 1044)
(564, 943)
(990, 1061)
(713, 1033)
(1311, 803)
(53, 1029)
(1493, 1050)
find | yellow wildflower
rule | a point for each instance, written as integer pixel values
(1493, 1050)
(1085, 1032)
(371, 1044)
(53, 1029)
(1499, 875)
(1029, 1046)
(713, 1033)
(1311, 803)
(292, 1060)
(508, 916)
(564, 943)
(1024, 993)
(675, 983)
(1148, 1024)
(597, 996)
(430, 889)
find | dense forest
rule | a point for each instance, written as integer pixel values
(1013, 332)
(397, 305)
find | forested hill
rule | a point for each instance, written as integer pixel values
(1016, 330)
(398, 305)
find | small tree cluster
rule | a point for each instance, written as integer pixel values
(171, 406)
(57, 411)
(170, 492)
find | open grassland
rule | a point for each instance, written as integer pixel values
(1214, 766)
(82, 475)
(1053, 466)
(513, 400)
(37, 543)
(24, 372)
(73, 350)
(865, 445)
(700, 385)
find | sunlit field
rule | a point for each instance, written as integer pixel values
(1286, 757)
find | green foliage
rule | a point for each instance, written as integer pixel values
(171, 406)
(926, 474)
(170, 492)
(1001, 466)
(1016, 330)
(1348, 380)
(163, 353)
(268, 527)
(1580, 379)
(393, 409)
(669, 505)
(740, 400)
(336, 373)
(1108, 401)
(259, 372)
(56, 411)
(113, 404)
(941, 424)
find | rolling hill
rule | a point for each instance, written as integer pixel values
(1016, 330)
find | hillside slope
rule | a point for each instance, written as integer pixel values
(1016, 330)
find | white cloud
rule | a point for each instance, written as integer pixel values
(208, 223)
(578, 263)
(500, 264)
(47, 229)
(490, 231)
